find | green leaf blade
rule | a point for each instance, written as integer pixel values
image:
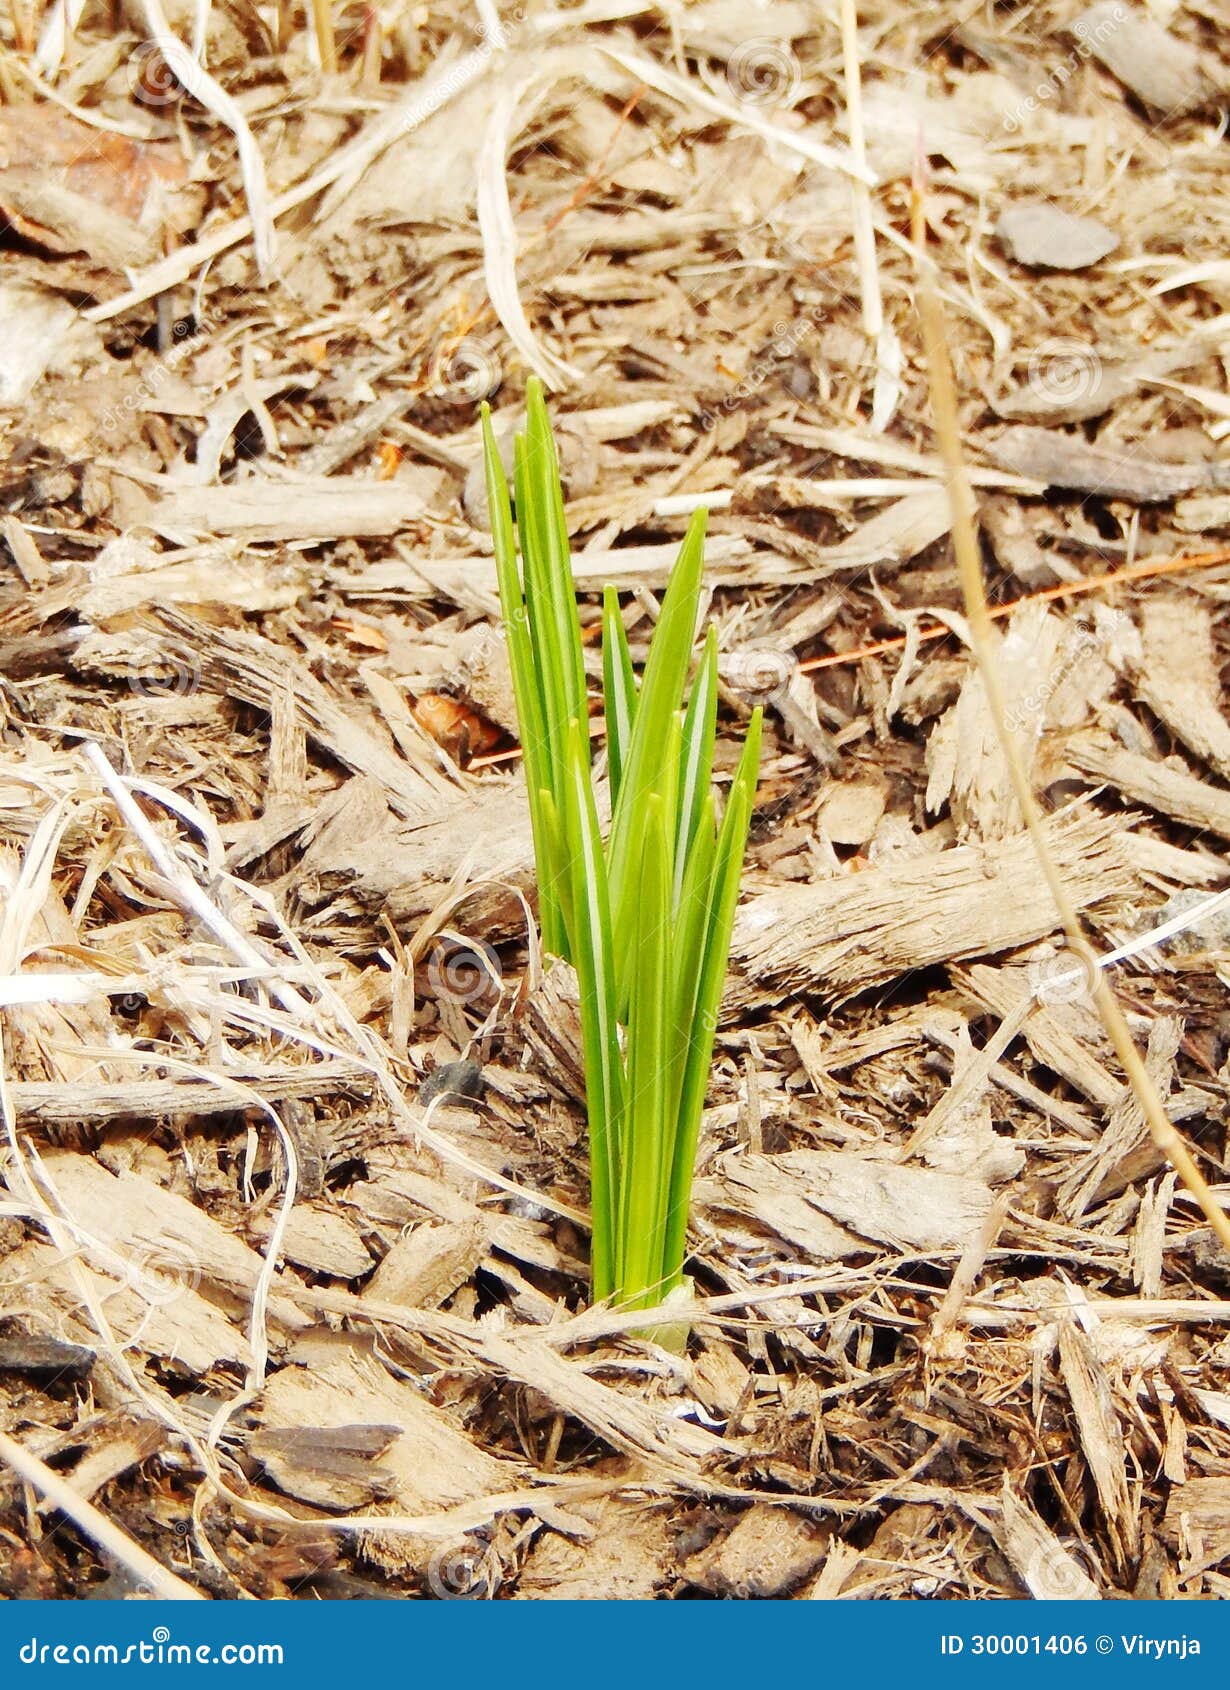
(644, 1207)
(618, 689)
(715, 958)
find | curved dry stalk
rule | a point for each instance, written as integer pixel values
(969, 570)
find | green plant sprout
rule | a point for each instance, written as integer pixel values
(645, 916)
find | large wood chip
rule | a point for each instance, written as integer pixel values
(407, 868)
(1198, 1519)
(167, 1245)
(769, 1553)
(425, 1462)
(1126, 1150)
(311, 508)
(627, 1559)
(1178, 677)
(843, 935)
(428, 1263)
(324, 1242)
(1044, 236)
(1164, 72)
(1058, 459)
(1171, 790)
(334, 1467)
(149, 1311)
(831, 1203)
(1047, 1570)
(1101, 1439)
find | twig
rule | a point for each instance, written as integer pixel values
(322, 23)
(864, 233)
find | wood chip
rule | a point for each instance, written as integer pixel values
(886, 920)
(1163, 786)
(1064, 460)
(1044, 236)
(1178, 678)
(769, 1553)
(1101, 1438)
(1166, 73)
(313, 508)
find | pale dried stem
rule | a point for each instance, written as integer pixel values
(982, 638)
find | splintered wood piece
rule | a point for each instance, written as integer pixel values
(1126, 1150)
(1163, 71)
(1178, 677)
(1171, 791)
(1197, 1519)
(1005, 991)
(829, 1203)
(1064, 460)
(625, 1555)
(1101, 1439)
(1046, 1569)
(841, 935)
(311, 508)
